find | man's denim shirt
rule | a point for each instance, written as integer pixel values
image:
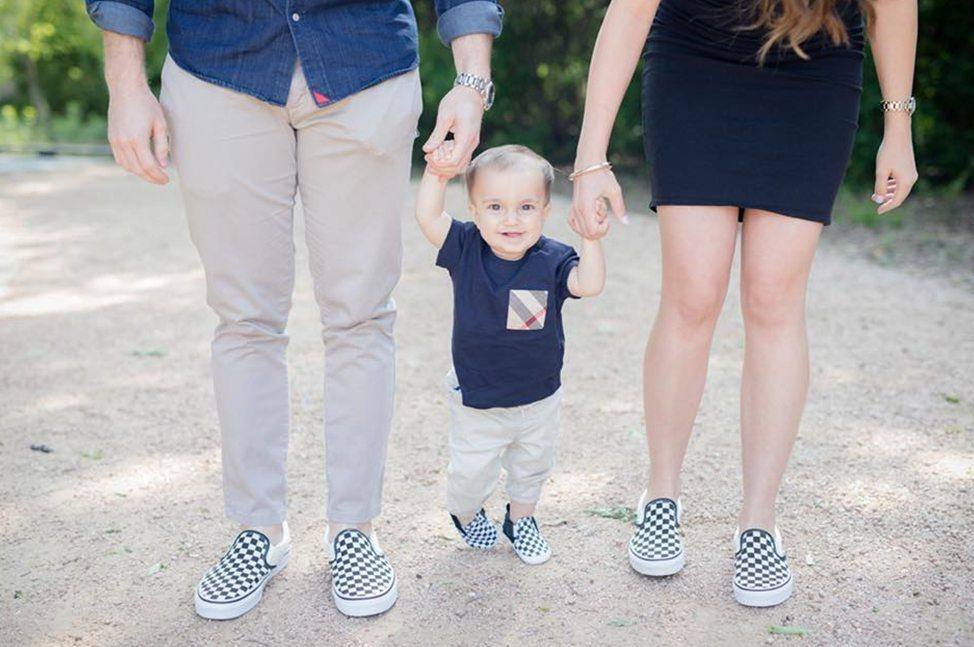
(250, 46)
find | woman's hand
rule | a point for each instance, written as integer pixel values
(896, 169)
(588, 217)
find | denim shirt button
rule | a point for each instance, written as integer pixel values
(295, 16)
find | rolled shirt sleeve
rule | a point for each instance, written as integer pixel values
(129, 17)
(462, 17)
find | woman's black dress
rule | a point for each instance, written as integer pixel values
(721, 129)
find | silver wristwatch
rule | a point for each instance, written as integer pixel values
(484, 86)
(906, 105)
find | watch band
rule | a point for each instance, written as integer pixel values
(484, 86)
(904, 105)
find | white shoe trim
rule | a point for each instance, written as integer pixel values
(235, 609)
(368, 606)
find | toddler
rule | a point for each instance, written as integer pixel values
(509, 283)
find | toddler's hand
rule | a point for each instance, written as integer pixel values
(435, 160)
(602, 214)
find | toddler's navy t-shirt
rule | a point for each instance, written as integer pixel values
(508, 340)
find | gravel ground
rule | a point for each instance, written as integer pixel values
(105, 340)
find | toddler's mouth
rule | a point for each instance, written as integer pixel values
(512, 234)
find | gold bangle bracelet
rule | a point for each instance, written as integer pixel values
(591, 169)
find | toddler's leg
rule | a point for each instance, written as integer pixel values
(477, 440)
(531, 457)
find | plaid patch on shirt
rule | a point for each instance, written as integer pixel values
(526, 309)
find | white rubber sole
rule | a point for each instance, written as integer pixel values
(656, 567)
(764, 598)
(368, 607)
(231, 610)
(533, 561)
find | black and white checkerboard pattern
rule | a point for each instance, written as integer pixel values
(659, 535)
(528, 542)
(358, 571)
(480, 533)
(240, 571)
(757, 565)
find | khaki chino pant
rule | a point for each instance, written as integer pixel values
(240, 162)
(522, 439)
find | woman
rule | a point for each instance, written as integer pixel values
(750, 108)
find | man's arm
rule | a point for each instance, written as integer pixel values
(469, 28)
(135, 118)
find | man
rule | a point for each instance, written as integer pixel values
(261, 100)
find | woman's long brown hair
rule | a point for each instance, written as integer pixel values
(790, 23)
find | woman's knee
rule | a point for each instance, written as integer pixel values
(694, 307)
(772, 303)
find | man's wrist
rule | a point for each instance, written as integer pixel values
(124, 63)
(471, 54)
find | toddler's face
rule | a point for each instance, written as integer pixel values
(508, 207)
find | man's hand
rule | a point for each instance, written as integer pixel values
(461, 112)
(462, 109)
(134, 118)
(137, 129)
(438, 159)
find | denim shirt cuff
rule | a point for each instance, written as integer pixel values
(475, 17)
(121, 18)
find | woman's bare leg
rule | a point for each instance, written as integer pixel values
(697, 252)
(776, 257)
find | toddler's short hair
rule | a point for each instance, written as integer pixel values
(507, 156)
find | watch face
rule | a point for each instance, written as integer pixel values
(489, 100)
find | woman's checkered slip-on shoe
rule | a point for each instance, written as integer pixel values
(235, 585)
(362, 580)
(761, 574)
(656, 547)
(479, 533)
(526, 538)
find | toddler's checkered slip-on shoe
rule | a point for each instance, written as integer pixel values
(761, 574)
(656, 547)
(235, 585)
(526, 538)
(479, 533)
(362, 580)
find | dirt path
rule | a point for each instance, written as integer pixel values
(104, 358)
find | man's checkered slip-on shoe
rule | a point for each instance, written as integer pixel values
(656, 547)
(526, 538)
(761, 574)
(480, 532)
(362, 580)
(235, 585)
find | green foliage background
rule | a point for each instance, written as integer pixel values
(51, 87)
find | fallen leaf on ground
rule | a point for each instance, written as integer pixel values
(619, 622)
(619, 512)
(155, 352)
(788, 631)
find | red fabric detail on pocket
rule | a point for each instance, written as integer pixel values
(322, 99)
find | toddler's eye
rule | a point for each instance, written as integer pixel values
(527, 207)
(493, 207)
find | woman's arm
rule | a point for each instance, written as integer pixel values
(893, 40)
(588, 277)
(617, 48)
